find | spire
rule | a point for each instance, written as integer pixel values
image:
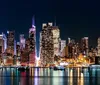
(33, 21)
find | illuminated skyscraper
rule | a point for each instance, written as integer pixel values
(65, 52)
(25, 52)
(77, 49)
(49, 43)
(22, 42)
(73, 48)
(62, 46)
(3, 43)
(10, 40)
(27, 44)
(99, 46)
(11, 48)
(18, 52)
(84, 46)
(56, 36)
(15, 47)
(70, 47)
(32, 38)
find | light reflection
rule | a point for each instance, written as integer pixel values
(71, 77)
(71, 73)
(36, 79)
(55, 80)
(68, 72)
(82, 79)
(50, 77)
(78, 72)
(23, 78)
(12, 78)
(32, 72)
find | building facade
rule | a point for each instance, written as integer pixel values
(32, 39)
(3, 43)
(98, 46)
(84, 46)
(62, 46)
(18, 51)
(56, 39)
(10, 40)
(49, 43)
(24, 54)
(3, 46)
(22, 42)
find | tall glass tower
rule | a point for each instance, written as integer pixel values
(32, 38)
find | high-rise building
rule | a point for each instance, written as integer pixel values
(32, 38)
(49, 43)
(65, 52)
(3, 46)
(98, 46)
(24, 54)
(3, 43)
(22, 42)
(11, 47)
(77, 50)
(25, 57)
(47, 50)
(70, 49)
(27, 44)
(10, 40)
(84, 46)
(15, 47)
(18, 51)
(62, 46)
(73, 48)
(56, 36)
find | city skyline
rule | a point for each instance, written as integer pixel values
(37, 40)
(49, 42)
(93, 38)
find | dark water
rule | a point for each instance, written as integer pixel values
(45, 76)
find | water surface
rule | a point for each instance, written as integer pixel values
(46, 76)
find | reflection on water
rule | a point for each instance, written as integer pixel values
(46, 76)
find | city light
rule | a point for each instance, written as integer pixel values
(49, 42)
(52, 49)
(65, 63)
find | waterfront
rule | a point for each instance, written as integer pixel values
(46, 76)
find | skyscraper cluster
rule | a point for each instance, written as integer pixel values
(22, 52)
(51, 47)
(74, 49)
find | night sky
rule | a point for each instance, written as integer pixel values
(75, 18)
